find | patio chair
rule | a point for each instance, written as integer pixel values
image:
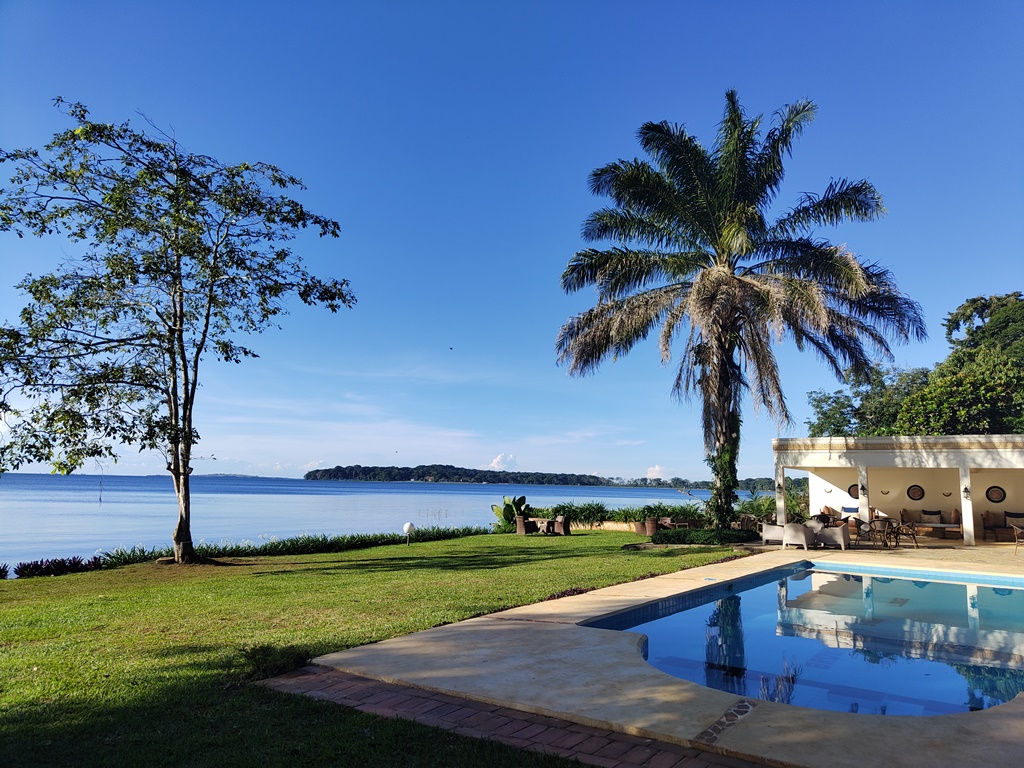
(771, 532)
(834, 535)
(525, 525)
(907, 530)
(560, 525)
(1018, 537)
(880, 530)
(798, 534)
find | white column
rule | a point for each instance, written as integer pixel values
(966, 507)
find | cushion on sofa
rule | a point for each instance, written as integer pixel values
(1014, 518)
(996, 519)
(955, 518)
(928, 516)
(911, 515)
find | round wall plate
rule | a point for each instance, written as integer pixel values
(995, 494)
(915, 493)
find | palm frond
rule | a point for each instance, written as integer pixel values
(843, 200)
(610, 328)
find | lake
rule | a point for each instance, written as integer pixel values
(44, 516)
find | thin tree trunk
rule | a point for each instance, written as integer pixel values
(184, 551)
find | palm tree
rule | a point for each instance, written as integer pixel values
(696, 255)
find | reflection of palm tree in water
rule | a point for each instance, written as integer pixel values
(725, 659)
(779, 688)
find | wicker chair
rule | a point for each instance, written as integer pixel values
(1018, 537)
(525, 525)
(560, 525)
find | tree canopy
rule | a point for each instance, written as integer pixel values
(978, 389)
(697, 257)
(178, 257)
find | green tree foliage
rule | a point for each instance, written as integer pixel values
(978, 389)
(988, 321)
(180, 257)
(696, 257)
(869, 405)
(977, 394)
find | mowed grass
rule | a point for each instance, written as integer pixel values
(153, 665)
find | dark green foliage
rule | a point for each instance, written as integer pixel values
(511, 508)
(445, 473)
(869, 406)
(584, 513)
(57, 566)
(988, 321)
(5, 570)
(706, 536)
(307, 544)
(978, 389)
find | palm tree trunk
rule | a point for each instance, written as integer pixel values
(721, 505)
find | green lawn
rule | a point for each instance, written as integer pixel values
(152, 665)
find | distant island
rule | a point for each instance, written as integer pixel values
(446, 473)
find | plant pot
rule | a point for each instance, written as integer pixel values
(639, 528)
(650, 526)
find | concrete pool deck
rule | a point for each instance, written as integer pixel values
(537, 659)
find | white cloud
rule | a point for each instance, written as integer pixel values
(655, 472)
(503, 461)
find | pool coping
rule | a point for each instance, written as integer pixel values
(539, 659)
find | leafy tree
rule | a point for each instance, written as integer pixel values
(976, 390)
(182, 258)
(988, 321)
(869, 406)
(978, 394)
(697, 256)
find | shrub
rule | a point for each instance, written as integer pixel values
(706, 536)
(307, 544)
(5, 570)
(510, 508)
(587, 513)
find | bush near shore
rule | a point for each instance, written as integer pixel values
(307, 544)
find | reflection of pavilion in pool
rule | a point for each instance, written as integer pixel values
(955, 623)
(848, 642)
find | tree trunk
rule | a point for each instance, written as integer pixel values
(721, 505)
(184, 552)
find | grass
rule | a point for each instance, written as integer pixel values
(152, 665)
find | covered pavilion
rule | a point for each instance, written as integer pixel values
(971, 473)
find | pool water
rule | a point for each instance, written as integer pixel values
(845, 642)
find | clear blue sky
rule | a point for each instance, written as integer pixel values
(453, 141)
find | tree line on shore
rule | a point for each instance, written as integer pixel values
(446, 473)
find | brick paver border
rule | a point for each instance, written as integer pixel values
(589, 746)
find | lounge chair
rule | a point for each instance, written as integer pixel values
(525, 525)
(798, 534)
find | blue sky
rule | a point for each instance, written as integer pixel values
(453, 141)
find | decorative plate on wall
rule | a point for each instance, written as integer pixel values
(995, 494)
(915, 493)
(854, 493)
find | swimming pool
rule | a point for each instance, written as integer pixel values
(871, 641)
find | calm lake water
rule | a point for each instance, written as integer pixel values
(44, 516)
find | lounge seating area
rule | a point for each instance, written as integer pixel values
(559, 526)
(942, 523)
(1000, 524)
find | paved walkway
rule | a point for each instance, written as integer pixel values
(588, 745)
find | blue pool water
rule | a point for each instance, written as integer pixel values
(878, 643)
